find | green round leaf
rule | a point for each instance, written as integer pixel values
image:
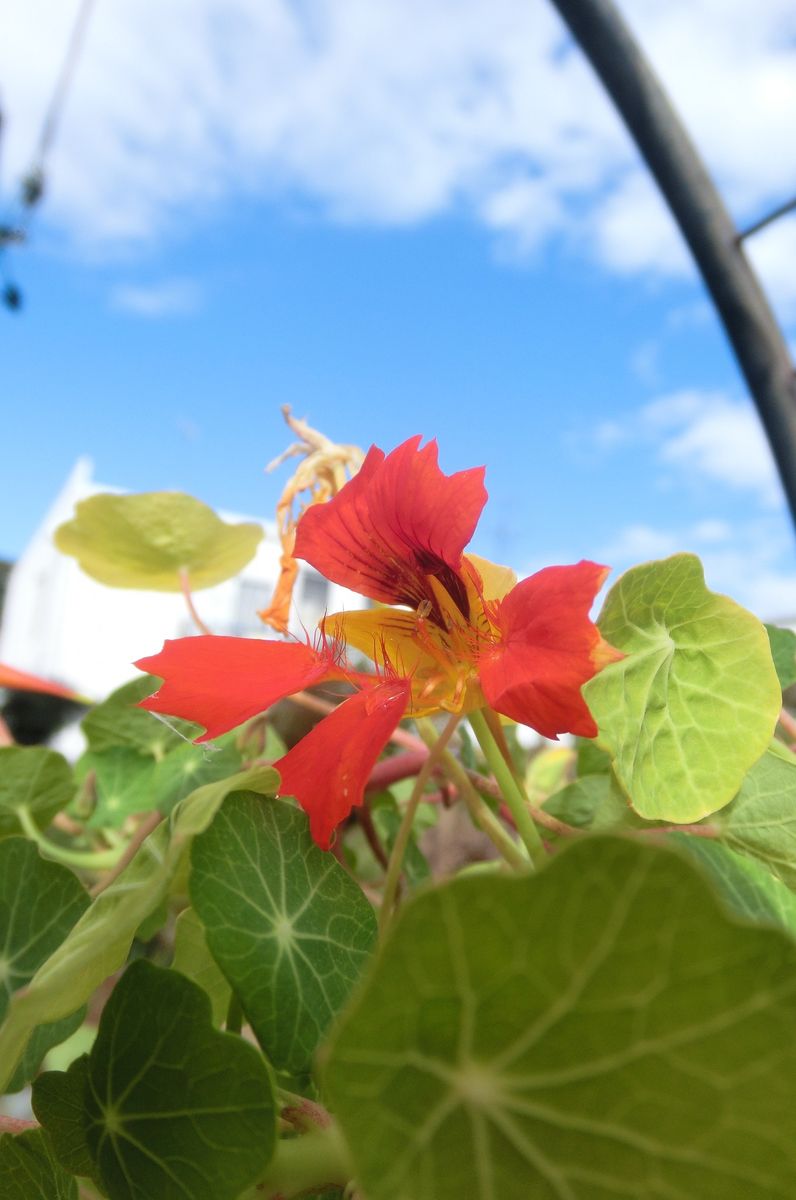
(146, 540)
(694, 703)
(287, 925)
(123, 785)
(602, 1029)
(173, 1107)
(40, 902)
(28, 1170)
(761, 820)
(34, 779)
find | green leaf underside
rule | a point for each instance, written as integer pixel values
(694, 703)
(35, 779)
(59, 1102)
(746, 886)
(761, 820)
(601, 1030)
(287, 925)
(593, 802)
(118, 722)
(40, 902)
(174, 1109)
(145, 540)
(100, 941)
(193, 959)
(783, 650)
(43, 1039)
(28, 1170)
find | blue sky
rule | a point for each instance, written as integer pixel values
(418, 247)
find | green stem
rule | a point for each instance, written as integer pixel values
(234, 1021)
(512, 791)
(482, 816)
(93, 860)
(315, 1160)
(436, 744)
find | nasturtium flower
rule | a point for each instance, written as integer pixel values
(451, 632)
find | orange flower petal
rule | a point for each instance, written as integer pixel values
(328, 769)
(548, 649)
(10, 677)
(219, 682)
(397, 521)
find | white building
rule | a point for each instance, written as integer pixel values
(59, 623)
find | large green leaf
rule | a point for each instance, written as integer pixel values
(761, 820)
(174, 1109)
(694, 703)
(602, 1029)
(119, 722)
(146, 540)
(99, 942)
(36, 780)
(28, 1170)
(783, 650)
(287, 925)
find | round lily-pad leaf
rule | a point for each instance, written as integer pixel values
(173, 1107)
(34, 779)
(602, 1029)
(289, 928)
(695, 701)
(146, 540)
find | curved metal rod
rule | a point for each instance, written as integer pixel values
(702, 217)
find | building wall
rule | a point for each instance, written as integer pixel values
(59, 623)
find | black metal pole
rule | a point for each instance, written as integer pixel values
(702, 217)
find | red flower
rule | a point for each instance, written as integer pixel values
(468, 633)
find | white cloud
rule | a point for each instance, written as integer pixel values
(716, 438)
(168, 298)
(395, 112)
(750, 561)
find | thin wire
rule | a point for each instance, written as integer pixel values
(782, 211)
(63, 83)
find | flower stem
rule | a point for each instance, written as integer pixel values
(92, 860)
(312, 1161)
(512, 791)
(185, 587)
(482, 816)
(436, 744)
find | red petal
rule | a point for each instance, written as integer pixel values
(398, 520)
(219, 682)
(10, 677)
(548, 649)
(328, 769)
